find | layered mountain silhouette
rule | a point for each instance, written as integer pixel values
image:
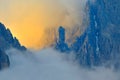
(7, 41)
(100, 43)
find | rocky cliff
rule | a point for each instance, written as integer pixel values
(7, 41)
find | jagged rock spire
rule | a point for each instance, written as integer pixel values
(61, 44)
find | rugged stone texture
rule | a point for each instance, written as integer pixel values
(4, 60)
(61, 45)
(100, 43)
(7, 41)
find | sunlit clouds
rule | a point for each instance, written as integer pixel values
(29, 19)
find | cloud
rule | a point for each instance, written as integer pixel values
(48, 64)
(28, 19)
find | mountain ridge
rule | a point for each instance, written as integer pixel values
(7, 41)
(99, 45)
(7, 38)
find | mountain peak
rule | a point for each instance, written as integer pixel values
(7, 40)
(61, 45)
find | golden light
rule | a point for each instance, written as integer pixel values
(29, 19)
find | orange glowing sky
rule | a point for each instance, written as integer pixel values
(29, 19)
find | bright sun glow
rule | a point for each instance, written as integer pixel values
(29, 19)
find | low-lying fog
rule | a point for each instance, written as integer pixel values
(48, 64)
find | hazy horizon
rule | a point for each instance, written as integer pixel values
(28, 20)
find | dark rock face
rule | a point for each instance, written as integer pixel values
(100, 43)
(7, 41)
(61, 45)
(4, 60)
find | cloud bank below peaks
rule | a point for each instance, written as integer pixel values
(48, 64)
